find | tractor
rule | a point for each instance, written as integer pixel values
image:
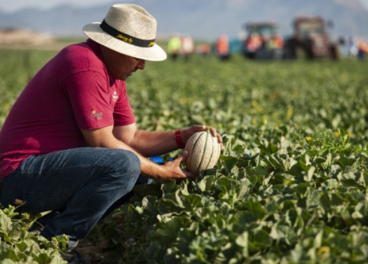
(310, 40)
(263, 41)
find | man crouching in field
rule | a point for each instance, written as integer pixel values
(70, 143)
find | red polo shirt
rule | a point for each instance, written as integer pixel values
(73, 91)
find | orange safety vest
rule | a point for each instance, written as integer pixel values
(254, 43)
(223, 46)
(363, 46)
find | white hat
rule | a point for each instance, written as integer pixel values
(128, 29)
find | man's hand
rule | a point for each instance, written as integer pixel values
(188, 132)
(171, 170)
(175, 170)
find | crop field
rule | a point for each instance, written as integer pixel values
(290, 186)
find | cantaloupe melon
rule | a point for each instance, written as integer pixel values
(203, 152)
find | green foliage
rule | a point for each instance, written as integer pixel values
(291, 183)
(306, 204)
(17, 245)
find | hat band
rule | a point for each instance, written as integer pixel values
(125, 37)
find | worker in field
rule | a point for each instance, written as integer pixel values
(203, 49)
(70, 143)
(222, 47)
(255, 42)
(174, 47)
(187, 46)
(279, 42)
(275, 44)
(362, 49)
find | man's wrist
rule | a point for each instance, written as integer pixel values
(179, 139)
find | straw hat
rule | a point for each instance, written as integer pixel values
(128, 29)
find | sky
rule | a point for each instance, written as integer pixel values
(15, 5)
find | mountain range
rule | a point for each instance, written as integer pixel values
(202, 19)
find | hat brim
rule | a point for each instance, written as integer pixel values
(153, 53)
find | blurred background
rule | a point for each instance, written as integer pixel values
(340, 23)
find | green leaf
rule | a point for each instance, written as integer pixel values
(206, 184)
(167, 231)
(261, 239)
(149, 204)
(42, 258)
(245, 217)
(283, 232)
(267, 147)
(22, 246)
(229, 162)
(345, 161)
(313, 198)
(242, 242)
(5, 222)
(256, 209)
(192, 201)
(352, 184)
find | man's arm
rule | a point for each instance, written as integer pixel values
(150, 143)
(146, 143)
(104, 138)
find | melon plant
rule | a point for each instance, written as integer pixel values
(291, 183)
(203, 152)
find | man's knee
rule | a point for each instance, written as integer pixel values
(127, 167)
(132, 163)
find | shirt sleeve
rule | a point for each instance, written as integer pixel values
(88, 93)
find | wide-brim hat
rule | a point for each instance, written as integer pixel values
(128, 29)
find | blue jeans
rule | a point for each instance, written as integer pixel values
(81, 185)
